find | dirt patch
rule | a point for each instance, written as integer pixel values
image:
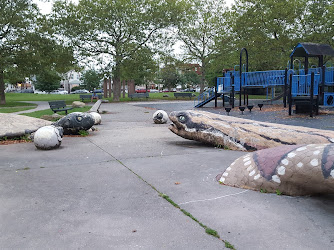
(8, 142)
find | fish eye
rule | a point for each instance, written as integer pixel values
(182, 118)
(79, 118)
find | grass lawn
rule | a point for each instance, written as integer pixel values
(15, 109)
(14, 106)
(40, 113)
(13, 98)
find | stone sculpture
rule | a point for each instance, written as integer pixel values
(288, 159)
(290, 170)
(74, 122)
(160, 117)
(97, 118)
(242, 134)
(48, 137)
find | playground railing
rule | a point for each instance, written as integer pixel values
(301, 85)
(264, 78)
(329, 76)
(224, 84)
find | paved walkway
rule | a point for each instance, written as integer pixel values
(102, 191)
(41, 105)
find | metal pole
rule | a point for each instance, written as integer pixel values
(311, 94)
(290, 95)
(285, 86)
(216, 92)
(232, 79)
(240, 68)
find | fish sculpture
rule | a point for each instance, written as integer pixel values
(242, 134)
(291, 170)
(291, 160)
(74, 122)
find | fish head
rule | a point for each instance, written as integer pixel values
(187, 125)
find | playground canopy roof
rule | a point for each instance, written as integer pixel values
(312, 50)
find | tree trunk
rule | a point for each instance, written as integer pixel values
(2, 88)
(105, 88)
(123, 88)
(117, 80)
(109, 82)
(202, 77)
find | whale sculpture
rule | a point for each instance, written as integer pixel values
(291, 170)
(242, 134)
(291, 160)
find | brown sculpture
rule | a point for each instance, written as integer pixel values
(290, 160)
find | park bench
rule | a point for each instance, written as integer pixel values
(139, 95)
(57, 106)
(82, 97)
(176, 95)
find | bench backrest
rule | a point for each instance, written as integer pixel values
(183, 94)
(89, 96)
(146, 94)
(57, 104)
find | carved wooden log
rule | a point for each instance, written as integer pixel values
(242, 134)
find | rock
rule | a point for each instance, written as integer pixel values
(48, 137)
(17, 125)
(78, 104)
(165, 95)
(74, 122)
(104, 101)
(53, 117)
(160, 117)
(97, 117)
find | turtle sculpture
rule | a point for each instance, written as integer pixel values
(160, 117)
(291, 160)
(74, 122)
(48, 137)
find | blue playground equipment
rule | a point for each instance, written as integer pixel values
(305, 86)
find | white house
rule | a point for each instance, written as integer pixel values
(70, 79)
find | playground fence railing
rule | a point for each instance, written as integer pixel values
(301, 85)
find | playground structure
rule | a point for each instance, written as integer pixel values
(305, 88)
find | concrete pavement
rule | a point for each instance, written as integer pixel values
(100, 191)
(41, 105)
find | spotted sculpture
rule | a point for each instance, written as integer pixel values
(291, 170)
(74, 122)
(288, 159)
(242, 134)
(160, 117)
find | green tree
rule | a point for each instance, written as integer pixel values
(17, 18)
(141, 67)
(190, 78)
(47, 81)
(268, 29)
(200, 31)
(170, 76)
(116, 28)
(91, 79)
(27, 44)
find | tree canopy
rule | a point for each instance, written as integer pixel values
(115, 28)
(91, 79)
(126, 36)
(27, 43)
